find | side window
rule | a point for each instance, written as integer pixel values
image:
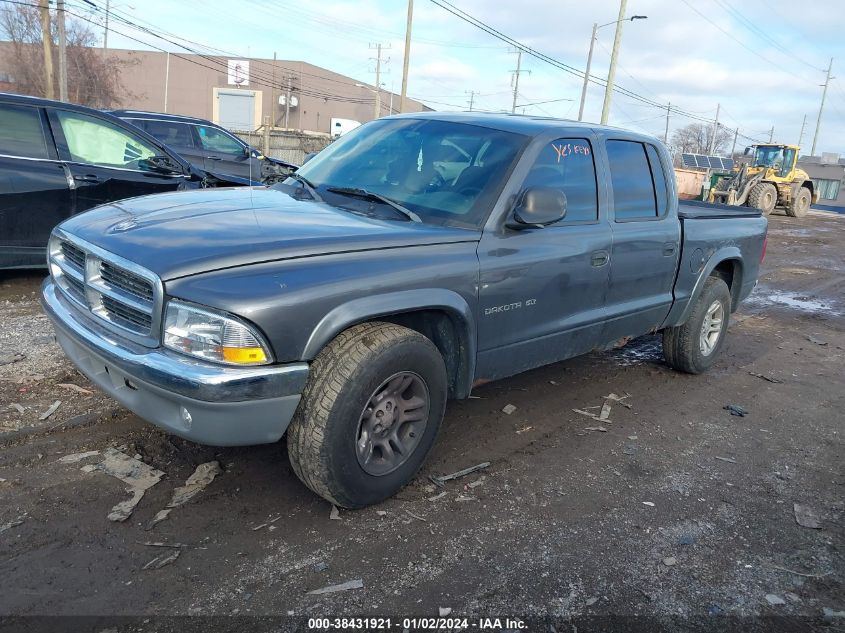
(169, 133)
(633, 188)
(21, 132)
(98, 142)
(658, 174)
(215, 140)
(567, 164)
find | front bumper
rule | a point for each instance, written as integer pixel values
(206, 403)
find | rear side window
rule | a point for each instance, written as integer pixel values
(169, 133)
(630, 175)
(567, 164)
(21, 132)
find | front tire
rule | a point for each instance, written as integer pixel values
(694, 346)
(763, 196)
(800, 203)
(369, 414)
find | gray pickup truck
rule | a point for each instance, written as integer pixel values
(414, 258)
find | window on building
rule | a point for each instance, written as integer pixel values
(98, 142)
(634, 197)
(827, 189)
(215, 140)
(567, 164)
(21, 133)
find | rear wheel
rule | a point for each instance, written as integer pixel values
(763, 196)
(694, 346)
(369, 414)
(800, 203)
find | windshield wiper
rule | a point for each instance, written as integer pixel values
(307, 185)
(371, 195)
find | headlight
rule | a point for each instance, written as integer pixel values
(212, 336)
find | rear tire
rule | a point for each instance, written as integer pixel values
(800, 203)
(336, 444)
(763, 196)
(694, 346)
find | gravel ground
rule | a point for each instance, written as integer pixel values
(678, 515)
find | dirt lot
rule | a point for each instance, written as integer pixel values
(678, 510)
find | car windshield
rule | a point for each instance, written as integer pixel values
(444, 172)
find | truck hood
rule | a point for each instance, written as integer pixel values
(189, 232)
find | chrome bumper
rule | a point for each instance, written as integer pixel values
(222, 406)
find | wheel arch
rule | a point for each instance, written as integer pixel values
(725, 263)
(443, 316)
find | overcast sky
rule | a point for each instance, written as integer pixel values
(695, 54)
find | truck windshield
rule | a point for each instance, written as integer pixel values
(444, 172)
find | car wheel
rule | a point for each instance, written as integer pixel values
(763, 196)
(369, 414)
(800, 203)
(694, 346)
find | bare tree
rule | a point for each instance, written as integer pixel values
(93, 78)
(695, 139)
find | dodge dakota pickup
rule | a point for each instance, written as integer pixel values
(417, 256)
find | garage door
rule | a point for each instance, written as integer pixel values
(237, 109)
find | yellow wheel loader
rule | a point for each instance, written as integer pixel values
(771, 180)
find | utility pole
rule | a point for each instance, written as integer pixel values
(666, 131)
(166, 80)
(471, 98)
(273, 102)
(801, 135)
(106, 32)
(611, 73)
(712, 148)
(771, 134)
(733, 148)
(515, 78)
(377, 108)
(287, 102)
(47, 41)
(407, 57)
(60, 19)
(821, 107)
(587, 73)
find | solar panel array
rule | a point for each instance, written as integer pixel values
(700, 161)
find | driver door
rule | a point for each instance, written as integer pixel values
(542, 291)
(106, 161)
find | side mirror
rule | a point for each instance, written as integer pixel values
(538, 207)
(748, 151)
(161, 165)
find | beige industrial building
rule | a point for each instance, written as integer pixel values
(244, 94)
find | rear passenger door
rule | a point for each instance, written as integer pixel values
(35, 194)
(646, 240)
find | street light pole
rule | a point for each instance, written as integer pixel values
(611, 73)
(587, 73)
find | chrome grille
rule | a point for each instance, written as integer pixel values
(125, 296)
(124, 280)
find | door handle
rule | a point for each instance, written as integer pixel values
(599, 258)
(212, 157)
(668, 249)
(87, 178)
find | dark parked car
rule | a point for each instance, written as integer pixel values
(58, 159)
(210, 147)
(346, 305)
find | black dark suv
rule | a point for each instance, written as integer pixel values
(58, 159)
(210, 147)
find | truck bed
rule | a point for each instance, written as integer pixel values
(696, 210)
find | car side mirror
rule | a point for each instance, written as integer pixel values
(161, 165)
(538, 207)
